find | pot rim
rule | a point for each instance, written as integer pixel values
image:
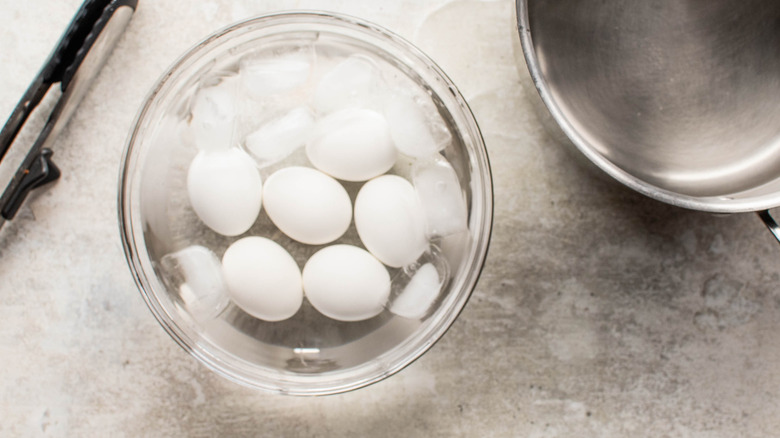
(712, 204)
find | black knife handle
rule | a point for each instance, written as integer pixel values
(41, 170)
(64, 60)
(73, 38)
(62, 66)
(93, 26)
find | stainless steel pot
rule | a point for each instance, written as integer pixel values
(677, 99)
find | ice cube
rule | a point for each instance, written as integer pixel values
(454, 248)
(416, 287)
(355, 82)
(254, 114)
(186, 134)
(274, 73)
(440, 194)
(280, 137)
(418, 295)
(195, 273)
(213, 115)
(417, 129)
(404, 166)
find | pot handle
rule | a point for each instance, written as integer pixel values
(770, 223)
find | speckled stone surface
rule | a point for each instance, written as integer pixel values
(600, 313)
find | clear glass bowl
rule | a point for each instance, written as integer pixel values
(307, 354)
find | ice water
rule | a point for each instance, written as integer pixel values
(267, 100)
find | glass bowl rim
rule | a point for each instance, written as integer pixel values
(137, 256)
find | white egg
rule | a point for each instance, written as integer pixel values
(352, 145)
(390, 220)
(346, 283)
(225, 190)
(262, 278)
(307, 205)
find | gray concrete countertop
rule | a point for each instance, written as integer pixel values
(599, 313)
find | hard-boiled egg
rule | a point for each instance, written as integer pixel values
(307, 205)
(225, 190)
(352, 145)
(262, 278)
(346, 283)
(390, 220)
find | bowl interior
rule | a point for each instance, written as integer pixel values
(679, 95)
(308, 353)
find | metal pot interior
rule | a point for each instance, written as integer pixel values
(679, 99)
